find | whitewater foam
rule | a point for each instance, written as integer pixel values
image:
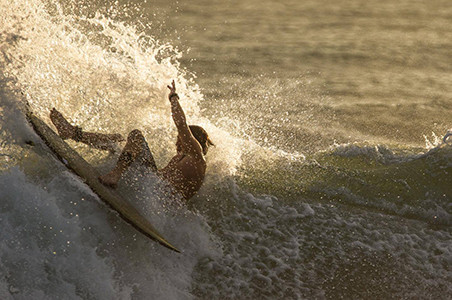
(349, 228)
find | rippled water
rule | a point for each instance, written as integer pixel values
(329, 178)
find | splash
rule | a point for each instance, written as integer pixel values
(104, 75)
(435, 141)
(57, 63)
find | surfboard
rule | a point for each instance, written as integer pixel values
(90, 176)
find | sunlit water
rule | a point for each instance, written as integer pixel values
(329, 178)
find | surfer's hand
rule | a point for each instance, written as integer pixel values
(172, 89)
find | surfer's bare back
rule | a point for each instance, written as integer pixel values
(185, 171)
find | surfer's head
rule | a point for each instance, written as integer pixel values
(201, 136)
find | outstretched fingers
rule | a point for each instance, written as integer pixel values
(172, 87)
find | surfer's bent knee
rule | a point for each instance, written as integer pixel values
(135, 135)
(126, 157)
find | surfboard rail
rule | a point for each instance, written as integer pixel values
(90, 176)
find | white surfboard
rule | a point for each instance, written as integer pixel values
(90, 176)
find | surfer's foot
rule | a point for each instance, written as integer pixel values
(111, 179)
(65, 130)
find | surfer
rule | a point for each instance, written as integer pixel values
(185, 171)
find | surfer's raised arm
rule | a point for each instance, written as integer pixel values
(188, 142)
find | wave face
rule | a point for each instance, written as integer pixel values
(292, 215)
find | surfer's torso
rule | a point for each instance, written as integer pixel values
(185, 172)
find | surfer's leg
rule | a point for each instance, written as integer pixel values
(96, 140)
(136, 147)
(100, 140)
(146, 157)
(138, 150)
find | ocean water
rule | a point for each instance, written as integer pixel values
(329, 178)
